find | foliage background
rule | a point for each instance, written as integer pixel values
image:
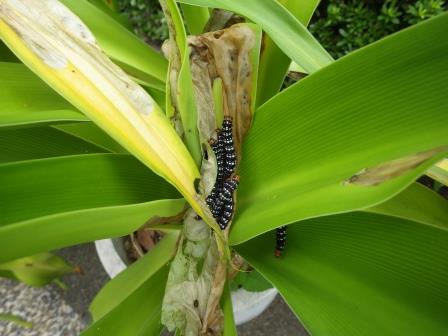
(147, 19)
(340, 26)
(343, 26)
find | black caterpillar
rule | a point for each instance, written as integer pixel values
(280, 241)
(225, 201)
(229, 149)
(220, 199)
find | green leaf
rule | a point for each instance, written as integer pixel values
(227, 309)
(121, 45)
(71, 62)
(111, 8)
(40, 142)
(37, 270)
(360, 273)
(141, 77)
(17, 320)
(110, 4)
(310, 146)
(44, 187)
(286, 31)
(69, 200)
(139, 313)
(181, 93)
(439, 172)
(159, 96)
(25, 99)
(274, 63)
(7, 55)
(132, 278)
(417, 203)
(251, 281)
(130, 304)
(91, 133)
(81, 226)
(195, 18)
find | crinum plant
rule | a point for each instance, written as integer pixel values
(334, 156)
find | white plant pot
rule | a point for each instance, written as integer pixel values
(246, 305)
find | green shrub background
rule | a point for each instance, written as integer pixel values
(343, 26)
(340, 26)
(147, 18)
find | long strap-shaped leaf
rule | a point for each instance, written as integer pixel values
(274, 63)
(112, 9)
(195, 18)
(417, 203)
(125, 48)
(181, 99)
(360, 274)
(138, 314)
(40, 142)
(7, 55)
(36, 270)
(287, 32)
(91, 133)
(131, 303)
(56, 45)
(69, 200)
(27, 100)
(125, 283)
(227, 308)
(36, 188)
(439, 172)
(80, 226)
(308, 146)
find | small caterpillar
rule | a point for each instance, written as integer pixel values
(280, 240)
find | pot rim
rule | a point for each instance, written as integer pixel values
(246, 305)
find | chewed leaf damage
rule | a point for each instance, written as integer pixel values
(384, 172)
(226, 55)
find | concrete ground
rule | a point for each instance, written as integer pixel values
(277, 320)
(57, 312)
(41, 311)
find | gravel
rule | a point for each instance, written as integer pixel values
(45, 308)
(58, 312)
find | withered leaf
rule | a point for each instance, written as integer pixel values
(386, 171)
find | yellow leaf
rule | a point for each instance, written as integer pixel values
(59, 48)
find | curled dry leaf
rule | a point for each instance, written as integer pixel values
(223, 67)
(230, 55)
(386, 171)
(190, 279)
(191, 302)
